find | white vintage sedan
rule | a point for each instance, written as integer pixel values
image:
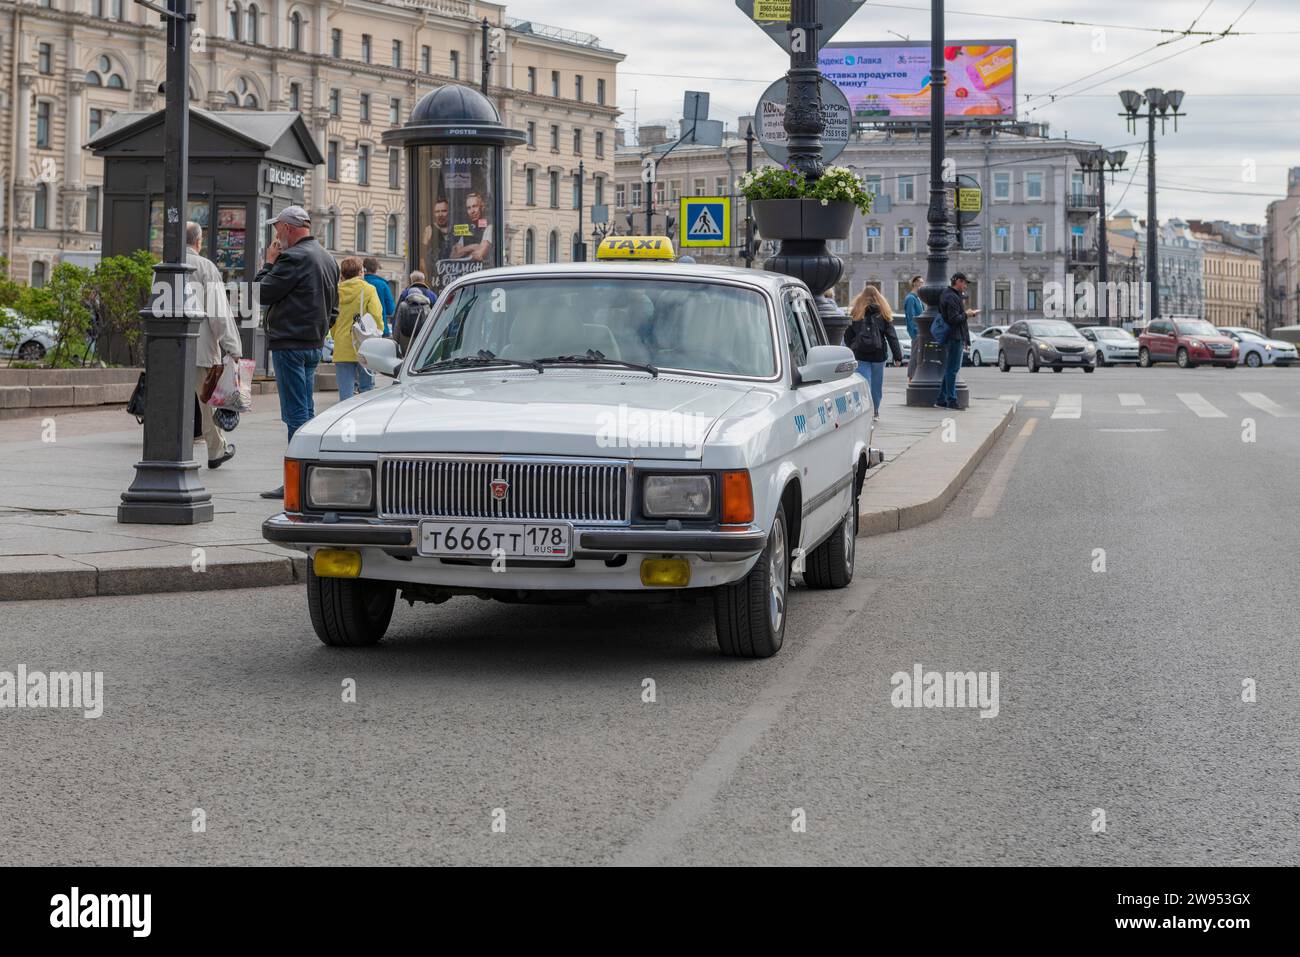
(569, 432)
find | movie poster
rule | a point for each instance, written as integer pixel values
(455, 234)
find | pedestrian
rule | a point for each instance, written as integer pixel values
(299, 285)
(384, 291)
(356, 296)
(413, 306)
(913, 307)
(218, 337)
(872, 338)
(952, 307)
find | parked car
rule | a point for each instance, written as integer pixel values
(904, 341)
(1114, 345)
(24, 341)
(1035, 343)
(1189, 342)
(1257, 349)
(983, 349)
(587, 431)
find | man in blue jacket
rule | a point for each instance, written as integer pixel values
(371, 266)
(913, 307)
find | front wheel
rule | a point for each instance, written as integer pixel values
(31, 351)
(349, 612)
(1101, 359)
(749, 615)
(1144, 357)
(1253, 360)
(1089, 368)
(1003, 364)
(1231, 365)
(1184, 360)
(1058, 369)
(1032, 361)
(831, 563)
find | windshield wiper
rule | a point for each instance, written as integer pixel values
(595, 357)
(485, 357)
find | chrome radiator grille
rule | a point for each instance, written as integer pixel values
(573, 491)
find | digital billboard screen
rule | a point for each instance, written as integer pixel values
(891, 81)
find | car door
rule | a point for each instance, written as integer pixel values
(1162, 340)
(1017, 344)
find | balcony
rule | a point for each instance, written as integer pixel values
(1078, 201)
(1082, 256)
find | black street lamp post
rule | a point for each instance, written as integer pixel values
(1162, 105)
(166, 489)
(923, 390)
(1099, 162)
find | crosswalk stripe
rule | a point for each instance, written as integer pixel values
(1131, 398)
(1200, 405)
(1010, 398)
(1069, 405)
(1036, 403)
(1262, 402)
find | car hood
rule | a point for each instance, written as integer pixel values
(596, 413)
(1279, 344)
(1057, 341)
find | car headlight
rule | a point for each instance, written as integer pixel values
(1197, 344)
(677, 496)
(350, 487)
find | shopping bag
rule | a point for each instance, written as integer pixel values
(234, 390)
(364, 328)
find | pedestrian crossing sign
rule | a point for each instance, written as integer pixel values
(705, 221)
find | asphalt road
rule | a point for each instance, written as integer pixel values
(1119, 691)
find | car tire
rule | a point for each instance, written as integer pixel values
(1231, 365)
(1032, 361)
(30, 351)
(1101, 360)
(1144, 358)
(1058, 369)
(1089, 368)
(830, 565)
(1253, 360)
(1185, 360)
(349, 612)
(976, 359)
(749, 615)
(1003, 364)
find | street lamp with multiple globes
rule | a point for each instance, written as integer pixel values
(1162, 105)
(1100, 162)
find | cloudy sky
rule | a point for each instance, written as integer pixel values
(1227, 160)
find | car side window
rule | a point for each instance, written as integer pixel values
(1018, 329)
(794, 335)
(812, 324)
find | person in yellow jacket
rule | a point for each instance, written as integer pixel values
(356, 295)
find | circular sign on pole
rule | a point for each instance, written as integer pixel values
(770, 121)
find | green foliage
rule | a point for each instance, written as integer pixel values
(837, 184)
(118, 291)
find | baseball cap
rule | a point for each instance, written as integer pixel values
(955, 276)
(293, 216)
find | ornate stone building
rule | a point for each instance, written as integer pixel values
(353, 68)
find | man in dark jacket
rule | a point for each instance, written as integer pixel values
(952, 307)
(299, 285)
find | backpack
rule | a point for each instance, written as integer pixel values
(415, 309)
(939, 330)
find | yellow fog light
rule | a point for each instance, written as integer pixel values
(666, 572)
(336, 563)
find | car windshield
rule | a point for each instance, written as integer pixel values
(1196, 327)
(1062, 330)
(1247, 334)
(1113, 334)
(685, 325)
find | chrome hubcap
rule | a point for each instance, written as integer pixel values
(777, 577)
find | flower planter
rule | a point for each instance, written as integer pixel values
(804, 219)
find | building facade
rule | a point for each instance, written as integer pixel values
(353, 68)
(1039, 225)
(1233, 267)
(1281, 279)
(1181, 261)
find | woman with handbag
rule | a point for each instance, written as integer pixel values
(360, 318)
(871, 336)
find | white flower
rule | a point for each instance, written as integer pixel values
(826, 202)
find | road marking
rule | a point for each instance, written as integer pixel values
(1069, 405)
(1260, 401)
(997, 487)
(1200, 405)
(1132, 430)
(1037, 404)
(1010, 398)
(1131, 398)
(680, 817)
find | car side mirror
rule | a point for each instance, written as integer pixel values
(827, 364)
(380, 356)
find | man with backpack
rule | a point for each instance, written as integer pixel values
(413, 307)
(954, 314)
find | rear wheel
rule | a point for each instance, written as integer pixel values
(31, 351)
(1003, 364)
(349, 612)
(1089, 368)
(1144, 357)
(1058, 369)
(1101, 359)
(749, 615)
(976, 358)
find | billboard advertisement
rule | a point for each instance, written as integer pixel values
(891, 81)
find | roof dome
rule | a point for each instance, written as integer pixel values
(454, 103)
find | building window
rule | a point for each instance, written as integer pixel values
(1033, 187)
(1002, 239)
(92, 209)
(532, 134)
(907, 189)
(397, 54)
(97, 118)
(599, 191)
(577, 142)
(555, 139)
(332, 161)
(394, 169)
(455, 64)
(295, 96)
(363, 164)
(600, 144)
(44, 58)
(363, 232)
(295, 31)
(336, 44)
(394, 110)
(426, 59)
(1002, 187)
(332, 230)
(906, 239)
(334, 103)
(530, 187)
(41, 214)
(871, 240)
(1033, 239)
(620, 194)
(532, 79)
(234, 24)
(600, 92)
(577, 191)
(43, 124)
(365, 107)
(1002, 296)
(38, 274)
(367, 47)
(243, 95)
(105, 75)
(720, 186)
(530, 247)
(577, 88)
(252, 33)
(390, 235)
(636, 196)
(1034, 297)
(699, 187)
(555, 85)
(553, 247)
(871, 183)
(555, 189)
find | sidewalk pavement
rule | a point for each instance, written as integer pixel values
(59, 492)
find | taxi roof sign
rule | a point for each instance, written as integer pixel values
(635, 247)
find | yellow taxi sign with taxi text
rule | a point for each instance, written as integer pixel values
(635, 247)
